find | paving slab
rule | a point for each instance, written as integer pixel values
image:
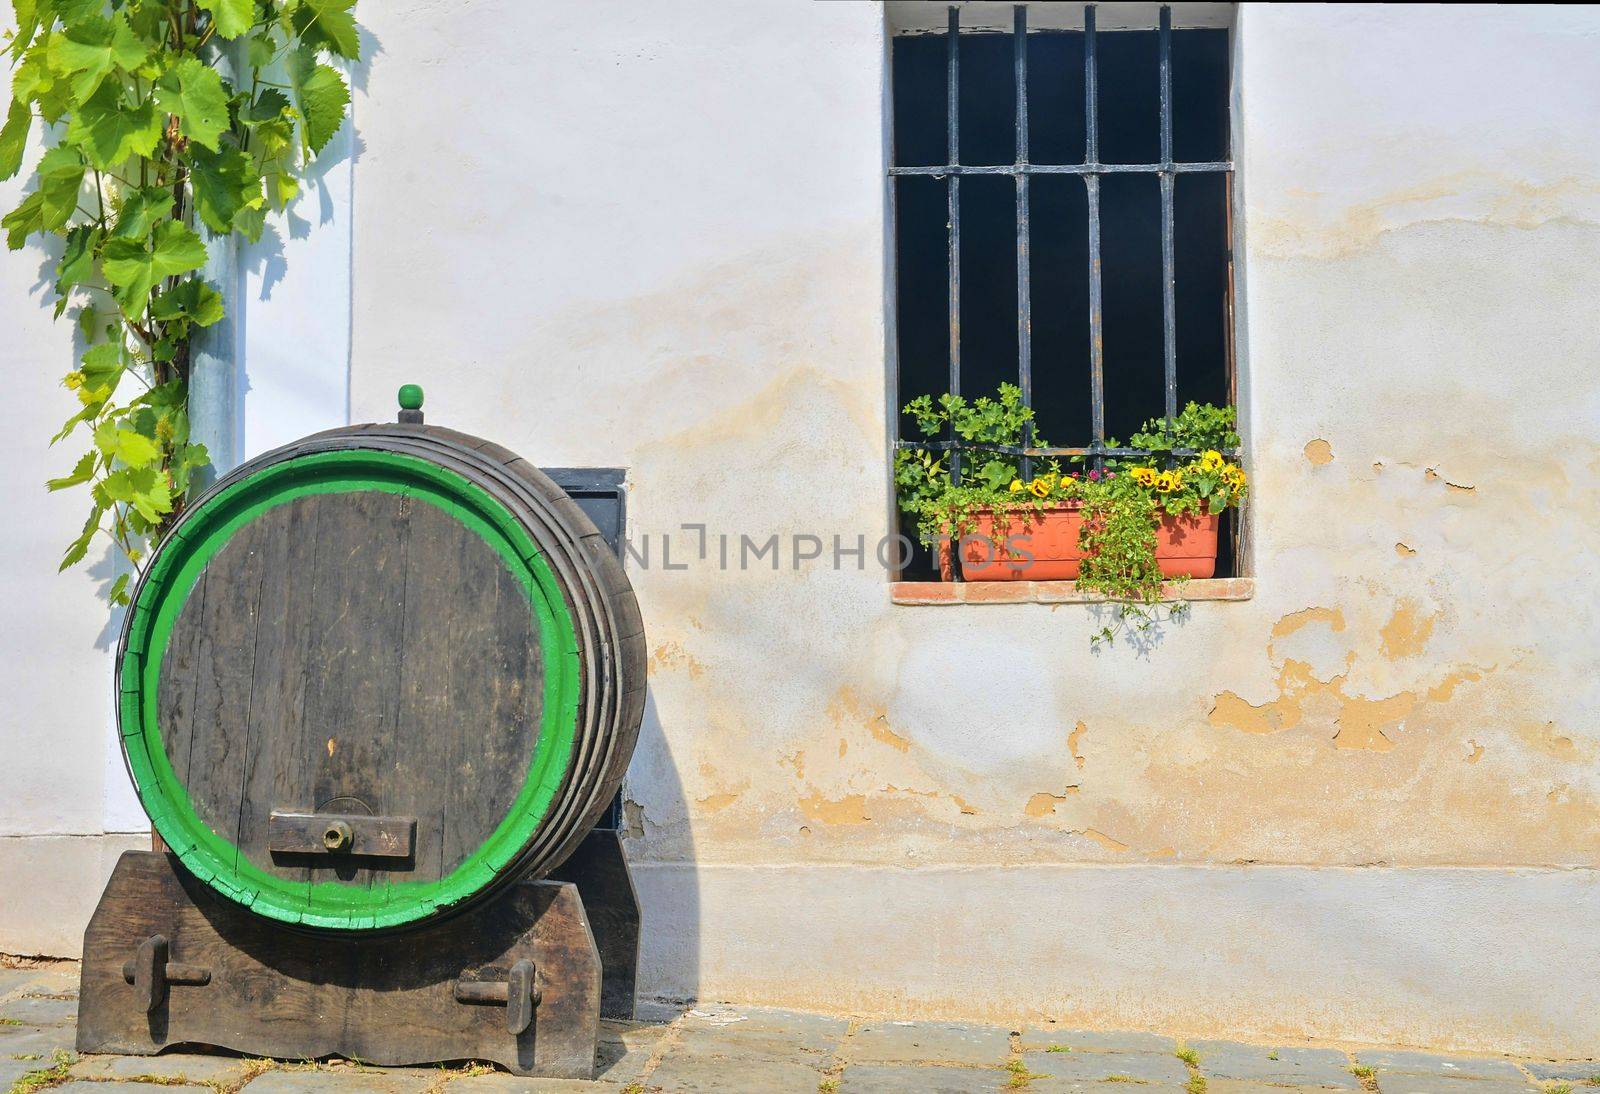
(1402, 1083)
(760, 1031)
(179, 1065)
(12, 1070)
(1078, 1086)
(1320, 1067)
(1430, 1063)
(929, 1043)
(1095, 1040)
(50, 979)
(1240, 1086)
(620, 1062)
(501, 1083)
(340, 1080)
(1143, 1067)
(1578, 1071)
(906, 1079)
(88, 1086)
(39, 1010)
(16, 1040)
(716, 1075)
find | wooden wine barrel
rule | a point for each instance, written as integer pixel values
(373, 676)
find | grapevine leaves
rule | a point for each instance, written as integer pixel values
(135, 266)
(147, 139)
(322, 96)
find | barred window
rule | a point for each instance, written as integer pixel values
(1061, 196)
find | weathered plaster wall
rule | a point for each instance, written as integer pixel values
(673, 260)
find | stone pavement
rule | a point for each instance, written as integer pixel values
(754, 1050)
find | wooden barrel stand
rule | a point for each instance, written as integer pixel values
(374, 689)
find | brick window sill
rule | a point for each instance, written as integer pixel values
(1054, 592)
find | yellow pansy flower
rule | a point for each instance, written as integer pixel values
(1016, 486)
(1234, 476)
(1211, 460)
(1144, 476)
(1039, 488)
(1168, 481)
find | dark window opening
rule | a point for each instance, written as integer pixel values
(1110, 165)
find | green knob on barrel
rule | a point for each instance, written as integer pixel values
(411, 404)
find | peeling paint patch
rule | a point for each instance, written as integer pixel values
(1319, 452)
(1043, 804)
(1361, 721)
(1104, 840)
(850, 809)
(632, 819)
(1292, 622)
(962, 805)
(878, 726)
(1404, 550)
(1072, 743)
(1477, 752)
(713, 803)
(1407, 631)
(1446, 688)
(672, 655)
(1432, 475)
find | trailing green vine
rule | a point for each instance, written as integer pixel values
(151, 135)
(1184, 471)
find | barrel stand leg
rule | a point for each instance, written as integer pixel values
(599, 869)
(514, 981)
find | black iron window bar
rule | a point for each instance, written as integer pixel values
(1090, 170)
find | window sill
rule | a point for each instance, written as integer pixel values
(1055, 592)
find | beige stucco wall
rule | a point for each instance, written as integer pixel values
(677, 266)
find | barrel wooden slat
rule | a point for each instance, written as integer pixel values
(434, 642)
(421, 685)
(274, 765)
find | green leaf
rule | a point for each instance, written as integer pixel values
(80, 546)
(193, 300)
(23, 220)
(93, 48)
(32, 76)
(144, 488)
(231, 17)
(329, 25)
(82, 471)
(77, 262)
(140, 210)
(133, 449)
(118, 594)
(14, 137)
(73, 12)
(250, 222)
(135, 269)
(322, 97)
(109, 128)
(60, 179)
(27, 18)
(262, 48)
(192, 92)
(99, 374)
(269, 106)
(224, 183)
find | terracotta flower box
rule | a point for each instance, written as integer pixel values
(1043, 546)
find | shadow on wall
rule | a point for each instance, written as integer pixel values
(669, 893)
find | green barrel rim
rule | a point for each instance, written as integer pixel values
(160, 598)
